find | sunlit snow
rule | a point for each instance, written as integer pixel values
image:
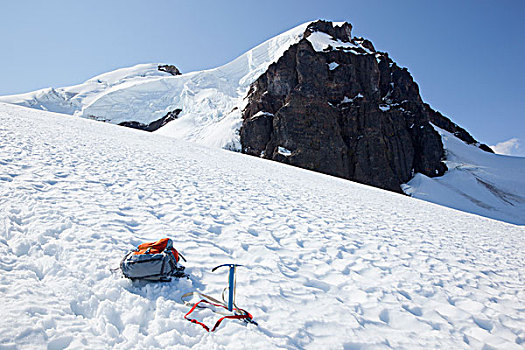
(322, 41)
(479, 182)
(328, 264)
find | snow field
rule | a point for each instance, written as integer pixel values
(328, 263)
(477, 182)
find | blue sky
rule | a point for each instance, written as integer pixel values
(467, 56)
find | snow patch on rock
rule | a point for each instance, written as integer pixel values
(322, 41)
(284, 151)
(333, 65)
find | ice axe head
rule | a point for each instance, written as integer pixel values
(230, 265)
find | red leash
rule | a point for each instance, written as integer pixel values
(243, 314)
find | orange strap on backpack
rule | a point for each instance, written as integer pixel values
(158, 247)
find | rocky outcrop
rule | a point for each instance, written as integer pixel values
(169, 68)
(443, 122)
(155, 124)
(333, 104)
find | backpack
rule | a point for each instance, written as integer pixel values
(153, 261)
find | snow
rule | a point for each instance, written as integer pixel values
(322, 41)
(333, 65)
(71, 99)
(384, 108)
(210, 100)
(477, 182)
(284, 151)
(328, 263)
(262, 113)
(346, 99)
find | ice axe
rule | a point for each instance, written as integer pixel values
(238, 314)
(231, 283)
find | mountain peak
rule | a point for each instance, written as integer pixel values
(313, 96)
(333, 104)
(337, 30)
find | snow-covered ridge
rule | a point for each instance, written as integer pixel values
(379, 271)
(210, 100)
(72, 99)
(323, 41)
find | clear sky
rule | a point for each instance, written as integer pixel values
(467, 56)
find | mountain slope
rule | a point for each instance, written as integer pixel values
(343, 108)
(328, 263)
(210, 100)
(477, 182)
(72, 99)
(365, 122)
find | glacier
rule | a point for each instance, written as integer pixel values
(328, 263)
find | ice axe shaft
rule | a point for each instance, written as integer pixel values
(231, 283)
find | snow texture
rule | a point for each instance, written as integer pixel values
(329, 264)
(72, 99)
(477, 182)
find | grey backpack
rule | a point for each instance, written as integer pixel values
(153, 261)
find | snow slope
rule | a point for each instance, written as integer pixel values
(210, 100)
(329, 264)
(72, 99)
(478, 182)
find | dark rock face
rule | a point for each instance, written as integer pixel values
(346, 111)
(169, 68)
(155, 124)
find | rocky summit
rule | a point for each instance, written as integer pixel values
(334, 104)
